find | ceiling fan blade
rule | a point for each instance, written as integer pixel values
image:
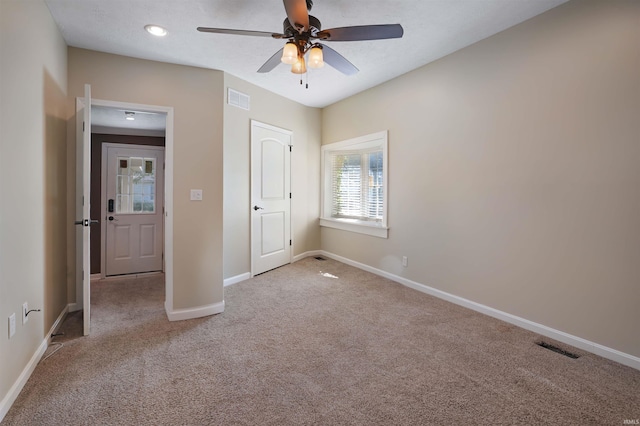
(272, 62)
(298, 14)
(240, 32)
(338, 61)
(362, 32)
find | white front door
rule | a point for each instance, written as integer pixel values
(270, 197)
(83, 195)
(132, 205)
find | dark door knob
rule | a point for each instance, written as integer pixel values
(258, 208)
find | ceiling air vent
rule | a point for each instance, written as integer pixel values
(238, 99)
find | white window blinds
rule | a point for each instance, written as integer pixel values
(357, 185)
(354, 185)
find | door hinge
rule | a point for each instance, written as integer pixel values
(289, 242)
(289, 195)
(290, 148)
(83, 126)
(83, 200)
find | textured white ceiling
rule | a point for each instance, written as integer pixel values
(433, 29)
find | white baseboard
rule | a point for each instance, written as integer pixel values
(237, 279)
(72, 307)
(561, 336)
(15, 390)
(307, 254)
(58, 322)
(247, 275)
(200, 311)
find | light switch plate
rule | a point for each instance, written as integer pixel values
(196, 195)
(12, 324)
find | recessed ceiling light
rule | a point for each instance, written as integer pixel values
(156, 30)
(129, 115)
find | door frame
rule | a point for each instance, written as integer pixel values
(103, 200)
(251, 178)
(168, 191)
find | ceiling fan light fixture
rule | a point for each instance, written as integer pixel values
(290, 53)
(315, 57)
(156, 30)
(299, 67)
(299, 32)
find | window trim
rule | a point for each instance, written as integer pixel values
(373, 140)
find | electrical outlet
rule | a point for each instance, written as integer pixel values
(405, 261)
(196, 195)
(12, 325)
(25, 309)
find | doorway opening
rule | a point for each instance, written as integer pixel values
(91, 118)
(127, 190)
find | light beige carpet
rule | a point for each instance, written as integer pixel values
(296, 347)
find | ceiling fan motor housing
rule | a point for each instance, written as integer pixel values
(302, 40)
(314, 28)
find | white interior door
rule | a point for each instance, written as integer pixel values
(133, 183)
(270, 197)
(83, 220)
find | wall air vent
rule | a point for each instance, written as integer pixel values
(238, 99)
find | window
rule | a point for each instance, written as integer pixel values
(354, 191)
(136, 185)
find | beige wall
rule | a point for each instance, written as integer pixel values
(197, 98)
(514, 172)
(33, 82)
(305, 123)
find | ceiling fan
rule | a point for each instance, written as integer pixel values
(302, 32)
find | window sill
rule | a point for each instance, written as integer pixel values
(359, 227)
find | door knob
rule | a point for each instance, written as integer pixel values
(111, 218)
(258, 208)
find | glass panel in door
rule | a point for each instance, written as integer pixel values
(136, 185)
